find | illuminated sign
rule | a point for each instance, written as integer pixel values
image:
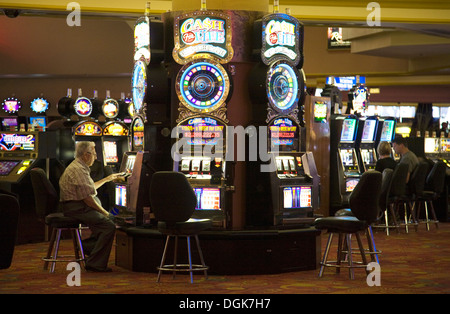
(138, 132)
(115, 129)
(11, 105)
(142, 40)
(360, 98)
(12, 142)
(88, 129)
(335, 40)
(320, 112)
(282, 38)
(110, 108)
(345, 82)
(284, 132)
(202, 32)
(40, 105)
(202, 131)
(282, 86)
(203, 86)
(83, 107)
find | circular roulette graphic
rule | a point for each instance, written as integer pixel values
(139, 84)
(282, 86)
(203, 85)
(83, 107)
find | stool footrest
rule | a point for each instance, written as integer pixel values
(183, 267)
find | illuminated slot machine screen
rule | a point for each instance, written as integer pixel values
(120, 194)
(207, 198)
(320, 112)
(431, 145)
(368, 134)
(17, 142)
(6, 166)
(368, 156)
(387, 132)
(351, 184)
(110, 151)
(348, 157)
(348, 130)
(445, 145)
(297, 197)
(203, 131)
(138, 134)
(38, 122)
(283, 135)
(10, 124)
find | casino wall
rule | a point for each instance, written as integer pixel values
(42, 54)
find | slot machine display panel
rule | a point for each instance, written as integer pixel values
(139, 84)
(18, 153)
(388, 133)
(367, 149)
(115, 142)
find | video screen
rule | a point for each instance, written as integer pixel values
(320, 112)
(17, 142)
(445, 145)
(368, 156)
(7, 123)
(297, 197)
(387, 132)
(351, 184)
(431, 145)
(121, 195)
(129, 163)
(110, 151)
(348, 157)
(38, 122)
(348, 130)
(368, 134)
(7, 166)
(207, 198)
(283, 134)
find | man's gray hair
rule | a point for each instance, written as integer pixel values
(83, 147)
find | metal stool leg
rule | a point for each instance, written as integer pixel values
(163, 259)
(325, 255)
(188, 238)
(55, 256)
(50, 248)
(349, 256)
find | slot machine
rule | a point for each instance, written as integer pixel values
(115, 139)
(367, 142)
(203, 87)
(347, 168)
(432, 146)
(287, 193)
(445, 150)
(149, 128)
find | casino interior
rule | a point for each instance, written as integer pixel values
(272, 111)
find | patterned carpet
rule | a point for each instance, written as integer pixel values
(413, 263)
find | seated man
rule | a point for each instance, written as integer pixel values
(401, 147)
(79, 200)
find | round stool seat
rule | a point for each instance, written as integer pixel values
(345, 224)
(344, 212)
(58, 220)
(191, 226)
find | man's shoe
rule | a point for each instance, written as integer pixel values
(96, 270)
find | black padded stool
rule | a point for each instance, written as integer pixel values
(173, 202)
(364, 204)
(47, 204)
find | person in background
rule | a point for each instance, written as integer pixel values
(78, 196)
(408, 157)
(385, 159)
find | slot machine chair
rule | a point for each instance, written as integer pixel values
(396, 196)
(364, 205)
(435, 184)
(415, 191)
(47, 205)
(173, 202)
(9, 221)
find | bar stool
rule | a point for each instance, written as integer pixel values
(173, 202)
(47, 203)
(435, 184)
(364, 206)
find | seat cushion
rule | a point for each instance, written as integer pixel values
(189, 227)
(58, 220)
(344, 212)
(346, 224)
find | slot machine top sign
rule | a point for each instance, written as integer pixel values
(11, 105)
(142, 40)
(202, 32)
(40, 105)
(282, 39)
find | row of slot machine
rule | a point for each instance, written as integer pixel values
(203, 87)
(353, 149)
(23, 140)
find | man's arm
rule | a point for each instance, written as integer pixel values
(106, 179)
(90, 201)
